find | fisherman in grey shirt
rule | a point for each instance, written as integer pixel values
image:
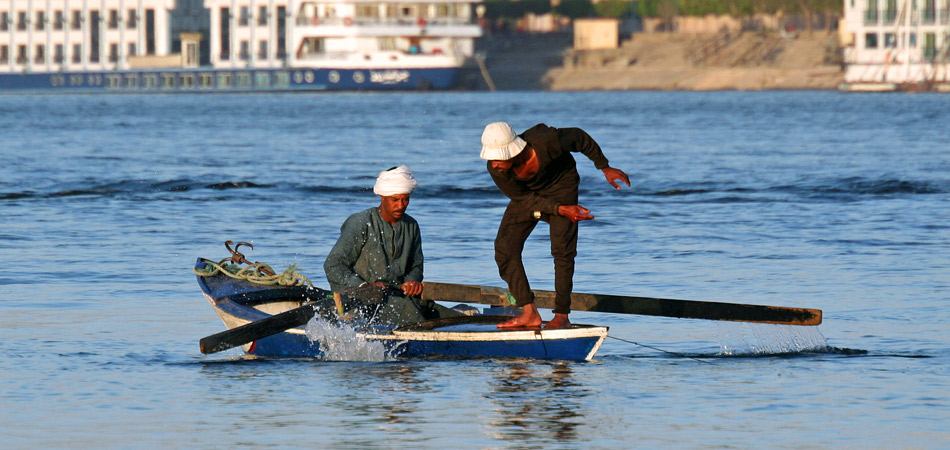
(382, 247)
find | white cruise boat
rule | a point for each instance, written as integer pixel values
(252, 45)
(896, 45)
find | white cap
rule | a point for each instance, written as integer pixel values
(500, 143)
(395, 181)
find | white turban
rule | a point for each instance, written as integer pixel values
(395, 181)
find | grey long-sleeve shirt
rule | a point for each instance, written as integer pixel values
(370, 249)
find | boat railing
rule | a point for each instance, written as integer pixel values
(314, 21)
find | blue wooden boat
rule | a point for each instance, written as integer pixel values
(239, 302)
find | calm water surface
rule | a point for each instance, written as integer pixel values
(811, 199)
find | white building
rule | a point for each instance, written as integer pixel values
(896, 44)
(81, 35)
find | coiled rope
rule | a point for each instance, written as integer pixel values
(256, 272)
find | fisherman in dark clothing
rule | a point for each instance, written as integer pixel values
(538, 174)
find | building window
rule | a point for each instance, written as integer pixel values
(245, 50)
(913, 40)
(59, 20)
(870, 40)
(58, 56)
(40, 20)
(21, 21)
(262, 15)
(113, 52)
(76, 22)
(40, 56)
(77, 53)
(21, 54)
(4, 54)
(132, 21)
(4, 21)
(262, 50)
(245, 16)
(113, 19)
(131, 49)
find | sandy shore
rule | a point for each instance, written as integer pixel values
(665, 61)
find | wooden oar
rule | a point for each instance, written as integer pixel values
(684, 309)
(257, 330)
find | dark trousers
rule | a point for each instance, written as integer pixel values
(516, 225)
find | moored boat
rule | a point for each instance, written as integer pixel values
(240, 302)
(235, 46)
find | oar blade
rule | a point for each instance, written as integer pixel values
(683, 309)
(257, 330)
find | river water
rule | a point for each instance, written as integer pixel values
(811, 199)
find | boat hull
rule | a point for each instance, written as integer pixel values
(231, 80)
(239, 302)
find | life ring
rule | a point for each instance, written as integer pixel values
(347, 21)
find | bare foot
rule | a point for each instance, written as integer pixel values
(529, 318)
(559, 321)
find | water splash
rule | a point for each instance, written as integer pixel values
(767, 339)
(340, 341)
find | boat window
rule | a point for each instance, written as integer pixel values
(187, 81)
(245, 50)
(890, 40)
(282, 79)
(132, 81)
(262, 79)
(224, 80)
(112, 81)
(150, 81)
(206, 80)
(370, 11)
(168, 81)
(262, 49)
(244, 79)
(870, 40)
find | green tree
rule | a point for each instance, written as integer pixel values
(575, 8)
(613, 8)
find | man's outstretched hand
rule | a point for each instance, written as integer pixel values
(574, 212)
(615, 174)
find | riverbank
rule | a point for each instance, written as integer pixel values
(666, 61)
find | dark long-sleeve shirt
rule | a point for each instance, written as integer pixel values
(370, 249)
(557, 180)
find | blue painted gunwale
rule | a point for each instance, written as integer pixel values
(469, 336)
